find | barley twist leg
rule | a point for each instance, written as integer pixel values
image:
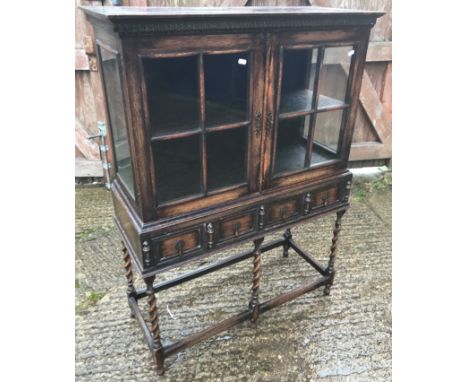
(158, 355)
(128, 272)
(333, 252)
(254, 307)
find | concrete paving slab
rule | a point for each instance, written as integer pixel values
(343, 337)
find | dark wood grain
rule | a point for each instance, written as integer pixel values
(203, 148)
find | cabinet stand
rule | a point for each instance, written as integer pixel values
(152, 332)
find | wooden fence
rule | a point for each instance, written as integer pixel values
(372, 141)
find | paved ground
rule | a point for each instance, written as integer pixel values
(343, 337)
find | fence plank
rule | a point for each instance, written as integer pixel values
(379, 51)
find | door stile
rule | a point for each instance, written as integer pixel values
(271, 73)
(202, 122)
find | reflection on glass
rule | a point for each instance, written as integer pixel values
(291, 144)
(326, 136)
(299, 67)
(226, 158)
(178, 167)
(113, 88)
(226, 87)
(172, 87)
(334, 76)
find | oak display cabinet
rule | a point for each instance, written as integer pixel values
(226, 124)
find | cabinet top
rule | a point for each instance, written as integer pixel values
(151, 20)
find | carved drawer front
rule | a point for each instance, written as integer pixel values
(282, 211)
(234, 227)
(181, 244)
(325, 198)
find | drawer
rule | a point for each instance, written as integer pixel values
(282, 211)
(180, 243)
(238, 225)
(325, 198)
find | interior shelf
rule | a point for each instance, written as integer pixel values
(300, 100)
(292, 154)
(173, 114)
(220, 114)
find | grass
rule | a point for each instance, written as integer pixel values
(362, 190)
(91, 300)
(80, 235)
(89, 232)
(77, 284)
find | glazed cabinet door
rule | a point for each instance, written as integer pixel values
(202, 99)
(308, 104)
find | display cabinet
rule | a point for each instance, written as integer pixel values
(226, 124)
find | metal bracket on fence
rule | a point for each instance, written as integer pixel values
(103, 150)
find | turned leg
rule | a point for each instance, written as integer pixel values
(128, 272)
(287, 236)
(256, 281)
(158, 355)
(333, 252)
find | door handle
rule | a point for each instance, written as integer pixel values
(236, 228)
(180, 247)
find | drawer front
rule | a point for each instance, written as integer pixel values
(325, 198)
(234, 227)
(181, 243)
(282, 211)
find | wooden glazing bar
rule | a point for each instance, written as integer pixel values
(132, 302)
(227, 126)
(209, 268)
(332, 108)
(307, 257)
(294, 114)
(315, 97)
(181, 134)
(245, 315)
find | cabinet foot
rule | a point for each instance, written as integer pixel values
(287, 236)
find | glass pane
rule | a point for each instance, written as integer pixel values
(226, 87)
(326, 136)
(115, 105)
(299, 67)
(172, 87)
(291, 144)
(178, 167)
(334, 76)
(226, 157)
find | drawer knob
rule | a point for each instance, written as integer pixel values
(180, 247)
(283, 212)
(325, 199)
(236, 228)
